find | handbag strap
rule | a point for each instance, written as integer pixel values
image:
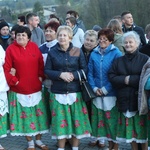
(79, 77)
(84, 75)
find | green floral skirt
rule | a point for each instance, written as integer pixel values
(68, 120)
(27, 121)
(104, 123)
(132, 129)
(4, 125)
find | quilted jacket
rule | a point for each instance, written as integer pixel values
(98, 67)
(59, 61)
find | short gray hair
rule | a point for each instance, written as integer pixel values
(91, 33)
(131, 34)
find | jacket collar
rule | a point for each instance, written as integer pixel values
(84, 49)
(109, 48)
(124, 29)
(130, 56)
(51, 43)
(15, 43)
(69, 48)
(75, 29)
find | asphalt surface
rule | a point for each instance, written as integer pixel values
(20, 143)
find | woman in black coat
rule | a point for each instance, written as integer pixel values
(125, 75)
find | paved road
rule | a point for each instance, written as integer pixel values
(19, 143)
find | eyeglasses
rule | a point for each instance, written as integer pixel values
(103, 40)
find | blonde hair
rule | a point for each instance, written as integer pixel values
(66, 28)
(115, 26)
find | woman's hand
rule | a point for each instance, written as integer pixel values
(13, 71)
(40, 78)
(17, 83)
(99, 92)
(127, 80)
(67, 76)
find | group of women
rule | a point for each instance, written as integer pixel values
(114, 78)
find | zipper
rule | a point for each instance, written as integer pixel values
(101, 67)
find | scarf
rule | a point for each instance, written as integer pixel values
(75, 29)
(4, 36)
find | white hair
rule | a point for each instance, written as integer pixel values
(133, 35)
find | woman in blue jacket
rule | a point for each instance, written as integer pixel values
(104, 110)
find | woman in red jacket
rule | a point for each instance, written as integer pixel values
(27, 110)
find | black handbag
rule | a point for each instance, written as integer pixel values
(86, 90)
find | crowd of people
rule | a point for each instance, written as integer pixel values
(40, 88)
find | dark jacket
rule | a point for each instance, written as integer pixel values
(145, 49)
(59, 61)
(129, 64)
(86, 53)
(81, 25)
(4, 42)
(138, 30)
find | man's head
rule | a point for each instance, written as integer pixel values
(90, 39)
(72, 13)
(127, 19)
(32, 19)
(71, 21)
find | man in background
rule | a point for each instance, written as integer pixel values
(80, 24)
(37, 36)
(129, 25)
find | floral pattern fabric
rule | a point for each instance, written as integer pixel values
(27, 121)
(132, 129)
(68, 120)
(4, 125)
(104, 123)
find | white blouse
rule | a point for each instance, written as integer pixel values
(29, 100)
(66, 99)
(3, 85)
(105, 103)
